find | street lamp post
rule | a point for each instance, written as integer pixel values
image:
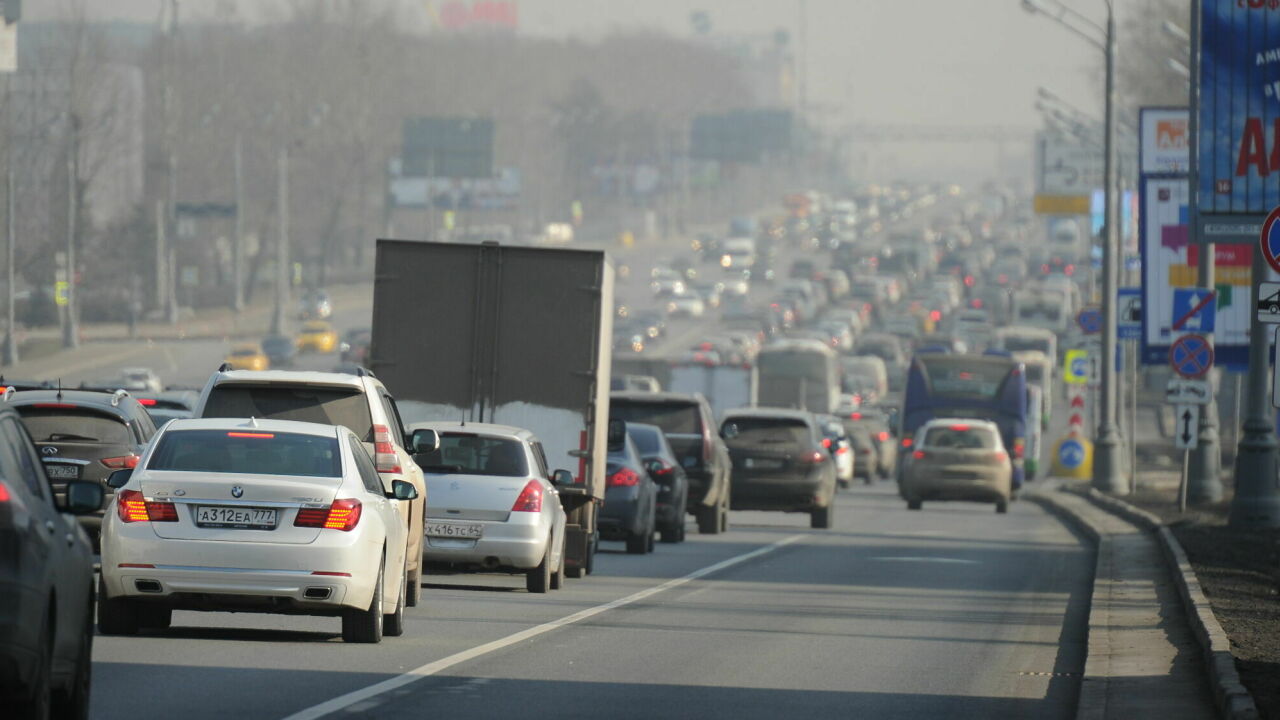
(1108, 446)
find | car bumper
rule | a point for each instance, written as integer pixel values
(785, 493)
(983, 486)
(622, 514)
(519, 544)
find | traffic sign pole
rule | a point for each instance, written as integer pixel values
(1256, 500)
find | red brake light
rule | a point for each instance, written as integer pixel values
(530, 499)
(342, 515)
(817, 457)
(1070, 270)
(147, 402)
(907, 442)
(1000, 456)
(855, 416)
(384, 452)
(960, 428)
(132, 507)
(826, 443)
(250, 435)
(976, 303)
(918, 455)
(4, 493)
(842, 450)
(663, 471)
(884, 435)
(935, 315)
(1019, 445)
(968, 281)
(120, 463)
(625, 477)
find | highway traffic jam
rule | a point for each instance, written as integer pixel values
(904, 337)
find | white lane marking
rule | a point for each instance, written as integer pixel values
(359, 696)
(915, 533)
(954, 561)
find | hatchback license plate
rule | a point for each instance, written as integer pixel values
(763, 463)
(212, 516)
(454, 530)
(57, 471)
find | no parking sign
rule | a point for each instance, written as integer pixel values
(1269, 242)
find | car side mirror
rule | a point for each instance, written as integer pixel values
(119, 478)
(401, 490)
(424, 440)
(561, 477)
(83, 497)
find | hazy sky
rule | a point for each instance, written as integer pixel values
(928, 62)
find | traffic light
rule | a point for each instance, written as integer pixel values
(12, 11)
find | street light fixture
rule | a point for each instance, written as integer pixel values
(1108, 451)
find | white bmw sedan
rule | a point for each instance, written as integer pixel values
(265, 516)
(494, 505)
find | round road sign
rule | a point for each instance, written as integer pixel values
(1090, 320)
(1270, 239)
(1071, 453)
(1191, 356)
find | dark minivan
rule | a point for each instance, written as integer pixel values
(690, 427)
(779, 463)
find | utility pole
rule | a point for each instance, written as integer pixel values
(1204, 476)
(282, 242)
(237, 242)
(10, 343)
(70, 326)
(1108, 454)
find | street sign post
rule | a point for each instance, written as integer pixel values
(1191, 356)
(1194, 310)
(1090, 320)
(1130, 311)
(1188, 392)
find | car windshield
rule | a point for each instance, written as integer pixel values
(675, 418)
(72, 424)
(249, 451)
(959, 437)
(750, 432)
(306, 403)
(470, 454)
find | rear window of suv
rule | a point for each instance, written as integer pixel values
(752, 431)
(247, 451)
(676, 418)
(347, 407)
(74, 425)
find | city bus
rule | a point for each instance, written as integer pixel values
(991, 387)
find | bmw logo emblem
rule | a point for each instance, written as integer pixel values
(237, 491)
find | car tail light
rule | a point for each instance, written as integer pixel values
(530, 499)
(883, 436)
(935, 315)
(855, 416)
(384, 452)
(258, 435)
(918, 455)
(331, 573)
(841, 450)
(976, 303)
(960, 428)
(147, 402)
(120, 463)
(1019, 446)
(132, 507)
(907, 442)
(826, 443)
(342, 515)
(968, 281)
(4, 493)
(1069, 270)
(663, 471)
(625, 477)
(999, 456)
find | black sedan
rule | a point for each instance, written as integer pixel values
(630, 497)
(664, 468)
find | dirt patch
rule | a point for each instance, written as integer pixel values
(1239, 570)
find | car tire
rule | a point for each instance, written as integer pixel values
(154, 617)
(36, 705)
(1002, 506)
(709, 520)
(557, 577)
(366, 626)
(538, 580)
(116, 616)
(823, 518)
(393, 624)
(651, 540)
(72, 702)
(843, 484)
(914, 504)
(590, 566)
(413, 588)
(637, 544)
(673, 533)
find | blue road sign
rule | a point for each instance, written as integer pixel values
(1071, 453)
(1129, 307)
(1270, 240)
(1194, 310)
(1191, 356)
(1090, 320)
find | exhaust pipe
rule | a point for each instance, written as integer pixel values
(490, 563)
(317, 593)
(147, 586)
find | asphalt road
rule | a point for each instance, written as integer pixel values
(949, 612)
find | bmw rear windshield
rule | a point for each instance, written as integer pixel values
(247, 451)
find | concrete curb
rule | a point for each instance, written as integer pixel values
(1233, 699)
(1092, 703)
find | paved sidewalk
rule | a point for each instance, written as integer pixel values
(1143, 660)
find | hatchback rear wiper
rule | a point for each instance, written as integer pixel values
(54, 437)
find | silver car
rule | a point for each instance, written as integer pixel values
(494, 505)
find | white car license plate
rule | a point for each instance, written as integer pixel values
(57, 471)
(454, 530)
(212, 516)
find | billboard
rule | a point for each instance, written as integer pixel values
(1239, 117)
(1169, 262)
(1066, 166)
(448, 147)
(1163, 140)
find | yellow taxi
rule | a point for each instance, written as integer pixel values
(317, 336)
(247, 356)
